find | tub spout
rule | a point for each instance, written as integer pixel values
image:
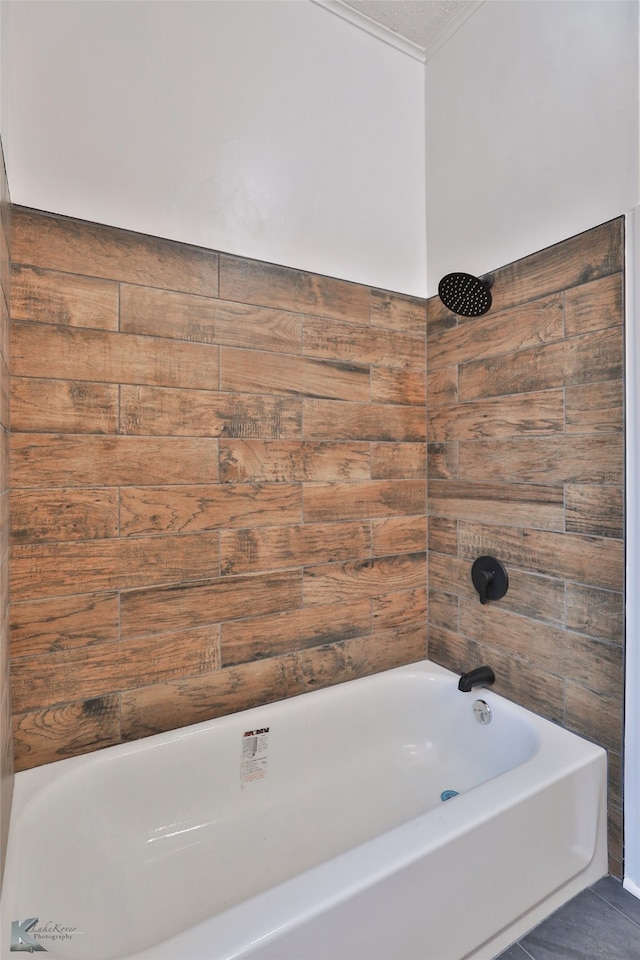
(480, 677)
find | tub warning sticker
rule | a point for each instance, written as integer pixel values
(254, 755)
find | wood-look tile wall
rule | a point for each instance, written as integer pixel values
(218, 484)
(525, 431)
(6, 739)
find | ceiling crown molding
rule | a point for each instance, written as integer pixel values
(395, 39)
(452, 27)
(377, 30)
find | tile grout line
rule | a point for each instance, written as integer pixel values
(530, 955)
(616, 911)
(615, 908)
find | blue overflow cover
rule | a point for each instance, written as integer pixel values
(447, 794)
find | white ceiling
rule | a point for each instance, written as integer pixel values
(423, 22)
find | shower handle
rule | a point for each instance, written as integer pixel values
(489, 578)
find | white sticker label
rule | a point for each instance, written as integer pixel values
(254, 755)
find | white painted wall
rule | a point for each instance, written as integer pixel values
(532, 130)
(4, 86)
(270, 129)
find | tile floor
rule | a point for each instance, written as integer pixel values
(601, 923)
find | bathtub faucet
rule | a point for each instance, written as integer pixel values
(480, 677)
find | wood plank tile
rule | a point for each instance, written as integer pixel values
(397, 312)
(438, 317)
(71, 353)
(363, 578)
(399, 535)
(599, 613)
(67, 406)
(250, 281)
(614, 775)
(5, 563)
(75, 246)
(527, 414)
(4, 470)
(332, 340)
(595, 305)
(442, 387)
(5, 385)
(595, 665)
(442, 461)
(391, 385)
(595, 510)
(522, 504)
(400, 461)
(442, 535)
(538, 643)
(4, 324)
(588, 560)
(497, 333)
(400, 609)
(335, 663)
(529, 594)
(4, 560)
(561, 652)
(57, 460)
(178, 703)
(586, 359)
(181, 316)
(250, 371)
(5, 253)
(39, 627)
(5, 443)
(276, 461)
(615, 837)
(598, 718)
(443, 610)
(453, 651)
(192, 509)
(166, 706)
(530, 684)
(585, 257)
(103, 668)
(342, 420)
(336, 475)
(46, 296)
(161, 411)
(361, 500)
(185, 605)
(270, 548)
(595, 407)
(270, 636)
(63, 514)
(404, 645)
(67, 731)
(574, 459)
(452, 574)
(50, 570)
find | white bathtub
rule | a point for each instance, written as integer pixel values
(322, 838)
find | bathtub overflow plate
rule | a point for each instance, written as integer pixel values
(482, 711)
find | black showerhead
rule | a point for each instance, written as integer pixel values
(465, 295)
